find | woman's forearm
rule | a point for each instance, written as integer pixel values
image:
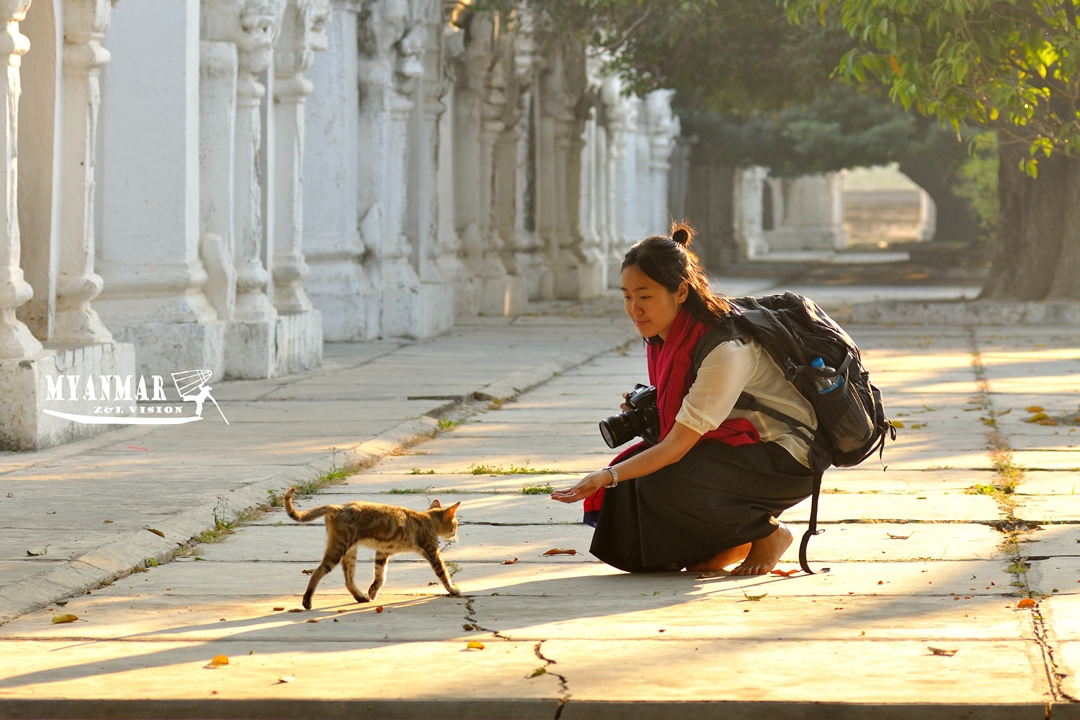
(670, 450)
(677, 443)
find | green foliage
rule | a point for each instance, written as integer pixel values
(977, 182)
(840, 129)
(537, 489)
(719, 55)
(410, 491)
(448, 424)
(418, 471)
(525, 469)
(1012, 64)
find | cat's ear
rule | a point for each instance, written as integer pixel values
(435, 504)
(449, 512)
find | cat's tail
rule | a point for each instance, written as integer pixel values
(306, 515)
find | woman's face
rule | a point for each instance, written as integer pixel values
(650, 305)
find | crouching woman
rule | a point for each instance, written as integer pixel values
(708, 494)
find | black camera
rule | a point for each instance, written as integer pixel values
(641, 419)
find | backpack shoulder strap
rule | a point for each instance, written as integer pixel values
(709, 341)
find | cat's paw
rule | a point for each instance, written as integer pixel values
(454, 591)
(306, 602)
(362, 598)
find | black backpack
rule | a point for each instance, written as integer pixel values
(794, 331)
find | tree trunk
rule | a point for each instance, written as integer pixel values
(1066, 282)
(1037, 257)
(955, 220)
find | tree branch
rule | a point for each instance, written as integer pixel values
(611, 47)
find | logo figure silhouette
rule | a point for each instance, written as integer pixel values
(189, 380)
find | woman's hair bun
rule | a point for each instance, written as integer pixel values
(682, 233)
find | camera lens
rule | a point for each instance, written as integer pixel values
(617, 429)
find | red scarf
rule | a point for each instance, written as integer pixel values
(670, 365)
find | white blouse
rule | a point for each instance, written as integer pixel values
(737, 366)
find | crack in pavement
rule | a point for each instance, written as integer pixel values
(1053, 676)
(564, 688)
(472, 623)
(1009, 476)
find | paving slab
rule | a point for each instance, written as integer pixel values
(887, 671)
(165, 670)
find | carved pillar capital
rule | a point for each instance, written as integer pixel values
(302, 35)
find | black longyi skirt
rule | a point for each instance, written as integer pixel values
(716, 497)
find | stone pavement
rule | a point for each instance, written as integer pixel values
(976, 513)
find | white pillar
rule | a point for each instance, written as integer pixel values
(420, 50)
(532, 262)
(621, 124)
(388, 64)
(85, 22)
(663, 129)
(148, 180)
(299, 333)
(749, 236)
(338, 283)
(16, 341)
(219, 65)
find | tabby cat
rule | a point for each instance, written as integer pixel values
(387, 529)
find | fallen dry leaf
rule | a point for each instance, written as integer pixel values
(38, 553)
(509, 562)
(785, 573)
(65, 618)
(560, 551)
(107, 521)
(1034, 409)
(538, 671)
(278, 609)
(156, 532)
(296, 610)
(474, 645)
(941, 651)
(306, 572)
(313, 620)
(285, 679)
(897, 424)
(1026, 603)
(755, 598)
(898, 537)
(218, 661)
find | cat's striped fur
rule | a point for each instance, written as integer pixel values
(387, 529)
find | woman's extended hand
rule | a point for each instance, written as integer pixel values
(588, 485)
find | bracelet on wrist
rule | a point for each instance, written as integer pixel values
(614, 477)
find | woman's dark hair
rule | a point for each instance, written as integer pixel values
(669, 261)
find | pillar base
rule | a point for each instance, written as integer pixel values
(578, 282)
(250, 349)
(539, 279)
(299, 342)
(504, 296)
(24, 391)
(163, 348)
(350, 306)
(421, 311)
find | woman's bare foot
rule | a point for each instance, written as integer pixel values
(765, 553)
(722, 559)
